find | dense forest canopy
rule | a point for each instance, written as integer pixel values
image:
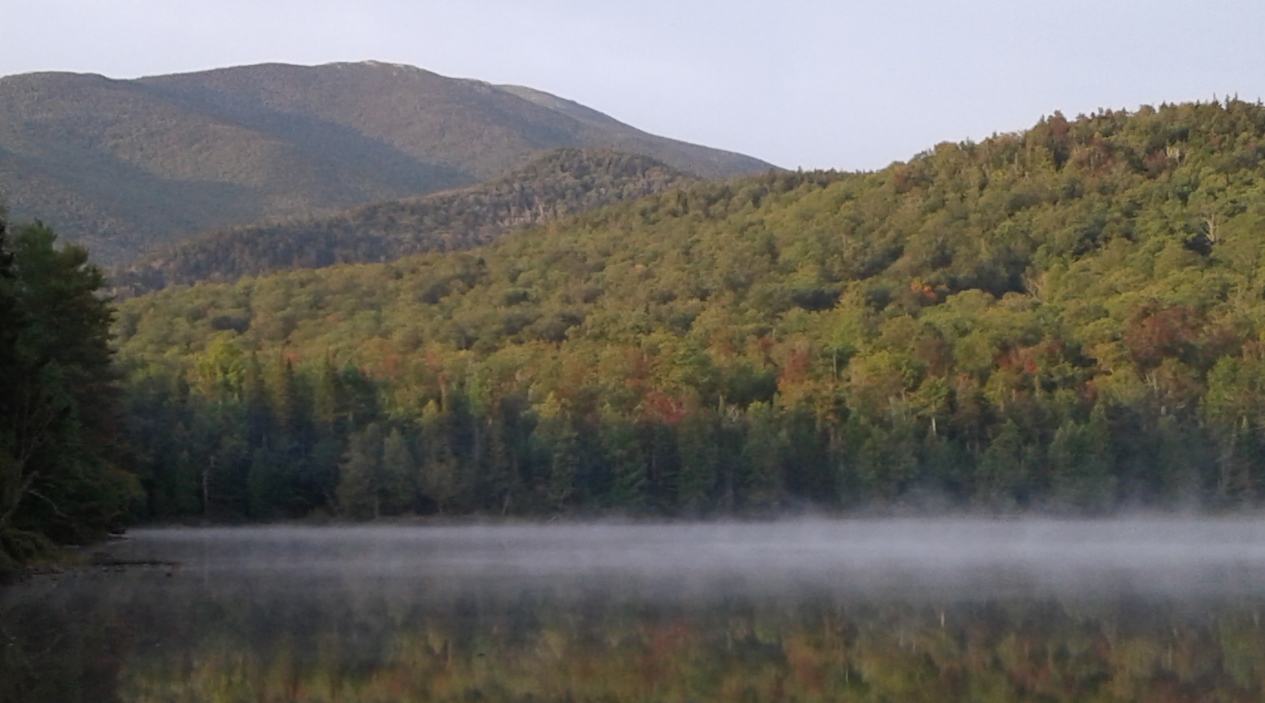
(1064, 319)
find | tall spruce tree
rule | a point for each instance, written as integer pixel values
(59, 480)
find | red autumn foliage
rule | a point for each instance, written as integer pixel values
(795, 372)
(658, 407)
(1154, 334)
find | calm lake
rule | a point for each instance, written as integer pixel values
(850, 610)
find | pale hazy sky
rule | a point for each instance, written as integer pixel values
(848, 84)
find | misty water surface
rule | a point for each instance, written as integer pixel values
(809, 610)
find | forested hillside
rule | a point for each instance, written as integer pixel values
(125, 167)
(563, 182)
(1066, 319)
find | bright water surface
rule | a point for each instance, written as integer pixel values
(1149, 610)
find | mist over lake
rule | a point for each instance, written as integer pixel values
(815, 609)
(913, 556)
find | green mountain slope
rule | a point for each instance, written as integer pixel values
(125, 166)
(1064, 319)
(563, 182)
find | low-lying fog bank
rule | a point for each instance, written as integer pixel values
(970, 557)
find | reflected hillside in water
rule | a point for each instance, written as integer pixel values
(850, 610)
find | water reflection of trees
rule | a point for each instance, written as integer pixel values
(148, 639)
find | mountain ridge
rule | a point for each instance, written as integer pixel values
(125, 166)
(560, 183)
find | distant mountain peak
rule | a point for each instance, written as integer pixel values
(128, 166)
